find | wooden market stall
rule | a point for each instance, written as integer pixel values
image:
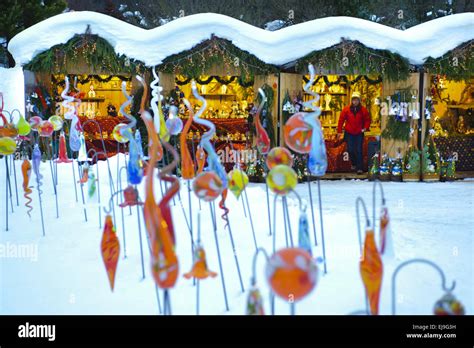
(229, 79)
(342, 69)
(91, 63)
(450, 90)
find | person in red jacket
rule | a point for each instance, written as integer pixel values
(356, 120)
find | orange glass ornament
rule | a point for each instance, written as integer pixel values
(292, 273)
(187, 163)
(297, 133)
(207, 186)
(200, 270)
(110, 249)
(164, 261)
(371, 271)
(200, 158)
(279, 155)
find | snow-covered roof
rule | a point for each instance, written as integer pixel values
(433, 38)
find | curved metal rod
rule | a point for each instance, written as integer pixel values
(96, 154)
(427, 262)
(109, 210)
(302, 204)
(377, 183)
(360, 201)
(253, 280)
(2, 117)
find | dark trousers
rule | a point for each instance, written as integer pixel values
(354, 147)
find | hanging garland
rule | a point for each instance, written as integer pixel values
(457, 64)
(344, 79)
(222, 80)
(215, 52)
(352, 57)
(96, 52)
(82, 79)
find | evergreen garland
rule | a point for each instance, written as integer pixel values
(215, 52)
(396, 130)
(360, 60)
(94, 50)
(457, 64)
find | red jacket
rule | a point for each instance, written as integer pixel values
(354, 123)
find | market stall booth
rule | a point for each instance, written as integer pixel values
(450, 122)
(229, 79)
(343, 69)
(95, 74)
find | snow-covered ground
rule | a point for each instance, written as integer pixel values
(63, 272)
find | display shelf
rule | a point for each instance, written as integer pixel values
(218, 95)
(461, 106)
(324, 93)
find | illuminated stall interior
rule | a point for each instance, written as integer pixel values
(228, 101)
(99, 72)
(335, 93)
(228, 78)
(453, 119)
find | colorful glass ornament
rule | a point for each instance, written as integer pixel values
(282, 179)
(238, 179)
(85, 174)
(26, 172)
(371, 271)
(262, 138)
(138, 140)
(74, 134)
(118, 135)
(57, 122)
(82, 154)
(199, 269)
(130, 195)
(36, 159)
(110, 249)
(207, 186)
(385, 236)
(62, 155)
(448, 305)
(303, 233)
(174, 124)
(200, 158)
(297, 133)
(165, 267)
(213, 160)
(134, 165)
(317, 159)
(7, 146)
(187, 163)
(156, 106)
(35, 122)
(91, 185)
(24, 128)
(158, 117)
(291, 273)
(45, 129)
(279, 155)
(254, 302)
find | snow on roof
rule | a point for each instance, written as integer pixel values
(433, 38)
